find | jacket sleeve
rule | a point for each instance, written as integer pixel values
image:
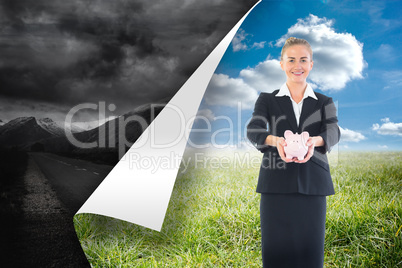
(257, 127)
(330, 131)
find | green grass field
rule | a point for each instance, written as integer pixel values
(213, 219)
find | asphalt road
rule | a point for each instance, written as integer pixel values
(73, 180)
(38, 231)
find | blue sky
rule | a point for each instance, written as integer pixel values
(356, 61)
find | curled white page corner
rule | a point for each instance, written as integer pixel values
(138, 189)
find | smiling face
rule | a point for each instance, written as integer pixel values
(297, 64)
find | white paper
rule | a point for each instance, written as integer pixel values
(137, 190)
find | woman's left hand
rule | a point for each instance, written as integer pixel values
(311, 143)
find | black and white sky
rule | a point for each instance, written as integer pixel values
(56, 54)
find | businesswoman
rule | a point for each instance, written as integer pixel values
(293, 192)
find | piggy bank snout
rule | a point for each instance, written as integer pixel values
(294, 145)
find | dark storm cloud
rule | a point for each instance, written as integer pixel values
(123, 52)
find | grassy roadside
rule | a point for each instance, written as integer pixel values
(213, 220)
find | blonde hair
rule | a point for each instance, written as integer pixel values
(291, 41)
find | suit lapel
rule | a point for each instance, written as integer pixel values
(309, 106)
(286, 107)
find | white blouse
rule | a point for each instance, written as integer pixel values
(297, 107)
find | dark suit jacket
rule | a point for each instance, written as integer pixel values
(318, 118)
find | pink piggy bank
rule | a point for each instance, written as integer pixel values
(296, 144)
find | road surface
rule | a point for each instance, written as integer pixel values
(73, 180)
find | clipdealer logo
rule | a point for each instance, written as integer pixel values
(112, 133)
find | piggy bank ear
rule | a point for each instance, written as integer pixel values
(288, 134)
(305, 136)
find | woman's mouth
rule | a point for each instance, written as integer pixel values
(298, 73)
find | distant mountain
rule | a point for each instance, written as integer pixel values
(51, 126)
(31, 134)
(127, 127)
(73, 128)
(26, 130)
(1, 122)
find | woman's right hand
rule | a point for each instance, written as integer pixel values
(280, 143)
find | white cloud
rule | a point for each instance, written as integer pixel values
(348, 135)
(265, 77)
(393, 79)
(386, 52)
(259, 45)
(239, 42)
(375, 9)
(238, 39)
(225, 91)
(388, 128)
(383, 146)
(205, 114)
(338, 57)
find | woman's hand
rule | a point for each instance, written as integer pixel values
(311, 143)
(280, 143)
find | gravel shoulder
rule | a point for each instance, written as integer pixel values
(43, 234)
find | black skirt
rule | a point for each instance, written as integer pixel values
(292, 230)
